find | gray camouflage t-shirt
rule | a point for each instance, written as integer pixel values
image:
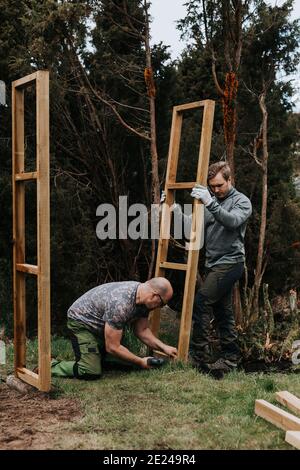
(114, 303)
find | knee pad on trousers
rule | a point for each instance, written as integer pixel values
(84, 376)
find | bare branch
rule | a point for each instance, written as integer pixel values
(113, 108)
(214, 74)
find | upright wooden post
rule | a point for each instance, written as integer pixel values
(197, 218)
(42, 380)
(19, 293)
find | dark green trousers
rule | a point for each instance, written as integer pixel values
(214, 299)
(88, 349)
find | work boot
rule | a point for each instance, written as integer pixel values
(200, 356)
(222, 366)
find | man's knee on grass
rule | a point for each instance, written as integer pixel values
(89, 366)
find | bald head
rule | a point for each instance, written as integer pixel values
(162, 286)
(154, 293)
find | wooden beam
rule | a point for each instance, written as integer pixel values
(277, 416)
(27, 268)
(161, 354)
(205, 142)
(28, 376)
(178, 266)
(19, 290)
(289, 400)
(26, 176)
(43, 229)
(174, 147)
(25, 81)
(187, 106)
(293, 438)
(182, 185)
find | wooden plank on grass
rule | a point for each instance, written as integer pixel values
(289, 400)
(293, 438)
(277, 416)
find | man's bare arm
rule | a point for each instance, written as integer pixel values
(113, 346)
(143, 332)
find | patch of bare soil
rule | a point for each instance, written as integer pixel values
(32, 421)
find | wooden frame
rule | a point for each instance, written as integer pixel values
(42, 380)
(197, 218)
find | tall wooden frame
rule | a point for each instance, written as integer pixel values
(42, 380)
(197, 217)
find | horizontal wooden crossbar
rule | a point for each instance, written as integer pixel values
(188, 185)
(26, 176)
(28, 376)
(25, 81)
(185, 107)
(27, 268)
(179, 266)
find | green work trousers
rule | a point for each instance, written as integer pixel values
(88, 349)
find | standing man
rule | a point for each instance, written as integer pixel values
(225, 219)
(97, 320)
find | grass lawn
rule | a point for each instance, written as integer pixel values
(172, 408)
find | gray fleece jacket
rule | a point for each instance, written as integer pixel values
(225, 223)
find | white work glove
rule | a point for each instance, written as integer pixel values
(176, 206)
(202, 193)
(162, 197)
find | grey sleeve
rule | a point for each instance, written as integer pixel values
(233, 219)
(187, 220)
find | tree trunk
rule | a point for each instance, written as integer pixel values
(153, 144)
(259, 271)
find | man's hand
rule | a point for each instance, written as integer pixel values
(143, 332)
(170, 351)
(144, 363)
(202, 193)
(176, 207)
